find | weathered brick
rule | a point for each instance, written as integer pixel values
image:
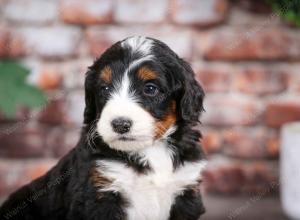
(76, 105)
(22, 139)
(74, 73)
(249, 143)
(255, 6)
(87, 12)
(273, 146)
(282, 111)
(22, 114)
(214, 79)
(260, 80)
(16, 173)
(135, 11)
(52, 42)
(3, 42)
(212, 141)
(199, 13)
(240, 17)
(294, 77)
(29, 11)
(237, 176)
(49, 79)
(228, 110)
(254, 43)
(100, 39)
(47, 76)
(11, 44)
(60, 141)
(55, 112)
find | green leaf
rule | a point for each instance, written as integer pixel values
(14, 90)
(289, 10)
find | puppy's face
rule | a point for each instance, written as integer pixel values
(139, 86)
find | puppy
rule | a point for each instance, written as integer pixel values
(139, 156)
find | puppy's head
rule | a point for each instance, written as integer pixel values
(138, 92)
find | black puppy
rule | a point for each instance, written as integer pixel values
(139, 156)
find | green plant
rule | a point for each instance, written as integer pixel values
(289, 10)
(15, 91)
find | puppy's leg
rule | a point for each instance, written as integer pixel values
(187, 206)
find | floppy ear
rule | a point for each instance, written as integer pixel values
(192, 96)
(90, 105)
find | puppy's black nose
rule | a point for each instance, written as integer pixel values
(121, 125)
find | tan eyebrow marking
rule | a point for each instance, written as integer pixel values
(145, 73)
(106, 74)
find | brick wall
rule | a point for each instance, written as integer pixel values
(245, 57)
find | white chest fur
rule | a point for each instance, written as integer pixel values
(151, 195)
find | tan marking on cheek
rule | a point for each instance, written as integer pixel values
(106, 74)
(99, 181)
(145, 73)
(163, 125)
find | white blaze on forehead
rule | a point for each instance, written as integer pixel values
(122, 89)
(139, 44)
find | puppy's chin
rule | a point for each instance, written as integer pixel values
(129, 145)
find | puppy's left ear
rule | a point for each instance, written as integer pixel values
(192, 97)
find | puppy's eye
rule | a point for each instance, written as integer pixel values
(105, 90)
(151, 89)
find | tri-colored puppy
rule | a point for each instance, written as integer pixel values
(139, 156)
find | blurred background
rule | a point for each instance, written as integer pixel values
(245, 54)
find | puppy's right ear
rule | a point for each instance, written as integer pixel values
(90, 105)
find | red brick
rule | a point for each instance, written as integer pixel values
(249, 143)
(254, 43)
(199, 13)
(22, 114)
(280, 112)
(255, 6)
(100, 39)
(294, 78)
(273, 146)
(16, 173)
(214, 79)
(15, 11)
(235, 176)
(49, 79)
(22, 139)
(52, 42)
(87, 12)
(55, 113)
(73, 73)
(260, 81)
(3, 42)
(60, 141)
(76, 105)
(239, 17)
(11, 44)
(228, 110)
(135, 11)
(212, 141)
